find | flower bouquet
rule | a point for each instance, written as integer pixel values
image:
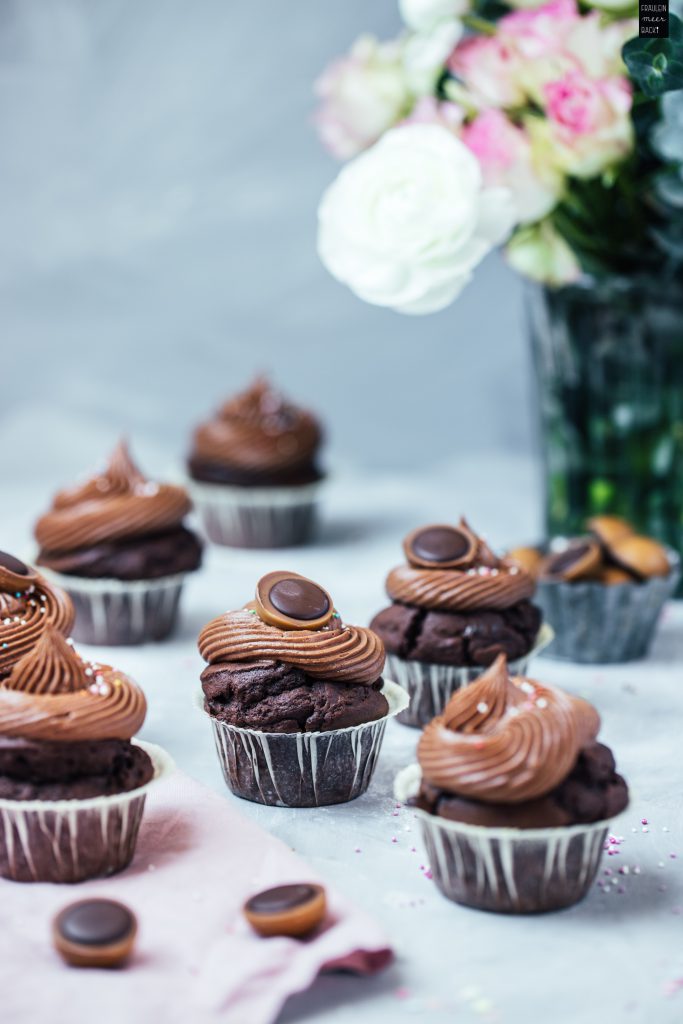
(556, 131)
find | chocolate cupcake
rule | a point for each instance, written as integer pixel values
(254, 473)
(118, 545)
(28, 605)
(514, 795)
(604, 592)
(296, 699)
(72, 784)
(455, 608)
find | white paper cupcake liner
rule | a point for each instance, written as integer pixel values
(508, 870)
(598, 624)
(256, 517)
(431, 686)
(304, 769)
(121, 612)
(73, 840)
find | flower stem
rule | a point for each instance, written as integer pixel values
(481, 25)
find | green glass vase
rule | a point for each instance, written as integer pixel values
(608, 358)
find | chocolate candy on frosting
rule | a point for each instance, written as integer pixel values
(95, 933)
(15, 566)
(293, 910)
(440, 546)
(612, 554)
(277, 629)
(290, 601)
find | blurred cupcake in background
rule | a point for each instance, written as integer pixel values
(603, 592)
(254, 471)
(455, 607)
(118, 545)
(514, 795)
(72, 781)
(297, 700)
(28, 605)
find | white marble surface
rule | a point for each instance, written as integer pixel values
(616, 957)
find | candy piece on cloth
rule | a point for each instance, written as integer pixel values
(95, 933)
(196, 958)
(295, 909)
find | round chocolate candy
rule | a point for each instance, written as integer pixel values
(440, 546)
(580, 560)
(609, 529)
(290, 601)
(95, 933)
(292, 910)
(16, 567)
(641, 556)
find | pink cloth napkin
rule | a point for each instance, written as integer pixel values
(196, 960)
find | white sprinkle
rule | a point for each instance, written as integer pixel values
(482, 707)
(541, 702)
(526, 687)
(514, 570)
(7, 622)
(43, 610)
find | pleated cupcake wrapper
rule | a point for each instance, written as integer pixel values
(508, 870)
(115, 612)
(304, 769)
(256, 517)
(73, 840)
(431, 686)
(599, 624)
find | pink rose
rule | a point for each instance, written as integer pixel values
(363, 94)
(540, 32)
(505, 155)
(588, 125)
(489, 68)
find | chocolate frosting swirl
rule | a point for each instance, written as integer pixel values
(483, 581)
(258, 430)
(505, 740)
(348, 654)
(52, 694)
(28, 604)
(117, 503)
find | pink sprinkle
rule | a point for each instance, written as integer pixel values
(403, 993)
(673, 856)
(394, 839)
(620, 889)
(607, 871)
(358, 850)
(413, 849)
(643, 821)
(394, 814)
(428, 874)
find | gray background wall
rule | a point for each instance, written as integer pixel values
(159, 177)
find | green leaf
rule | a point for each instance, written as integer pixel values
(656, 65)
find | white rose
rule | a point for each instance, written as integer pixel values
(423, 15)
(405, 224)
(425, 55)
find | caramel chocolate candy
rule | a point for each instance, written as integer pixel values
(293, 910)
(14, 567)
(290, 601)
(580, 560)
(641, 556)
(609, 529)
(440, 546)
(94, 933)
(528, 558)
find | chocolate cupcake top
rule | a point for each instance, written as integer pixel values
(28, 605)
(450, 568)
(505, 740)
(258, 431)
(53, 694)
(118, 503)
(293, 621)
